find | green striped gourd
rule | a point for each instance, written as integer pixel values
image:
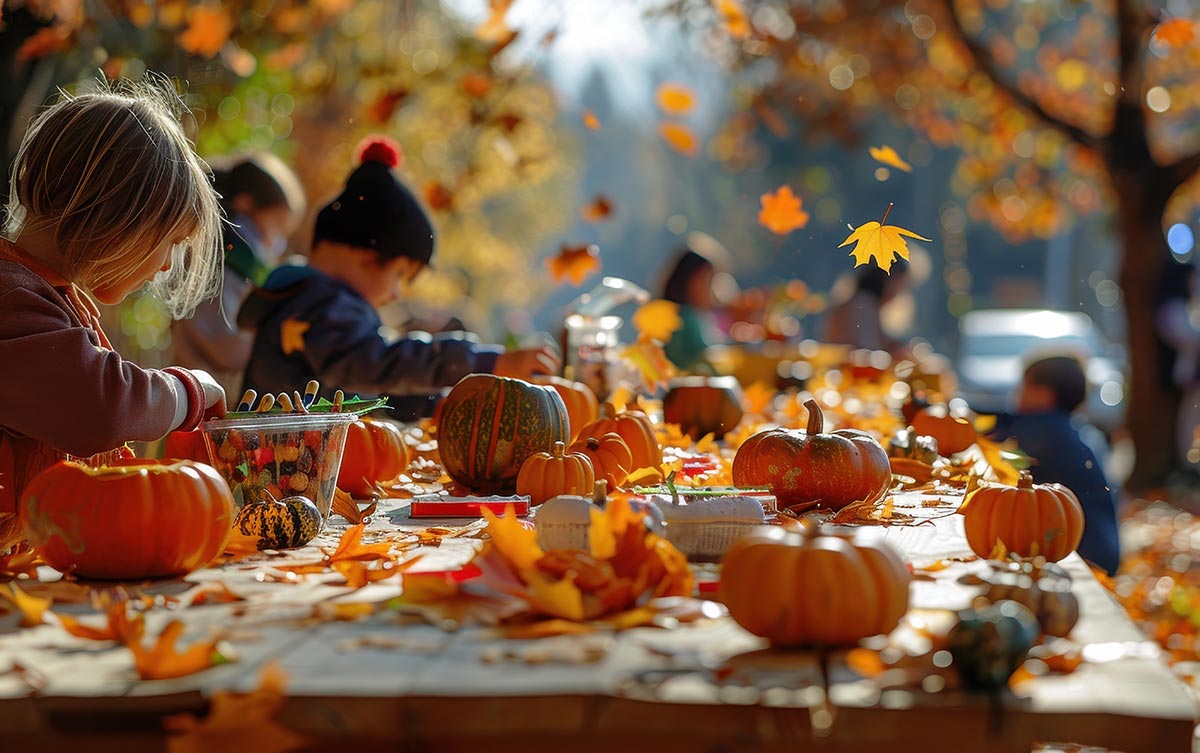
(490, 425)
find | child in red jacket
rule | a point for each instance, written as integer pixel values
(106, 196)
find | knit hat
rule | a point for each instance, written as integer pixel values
(376, 211)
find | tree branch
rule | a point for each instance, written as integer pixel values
(986, 62)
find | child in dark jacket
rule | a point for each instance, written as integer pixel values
(320, 321)
(1051, 390)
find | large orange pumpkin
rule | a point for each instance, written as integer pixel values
(703, 405)
(832, 469)
(551, 474)
(1029, 519)
(581, 402)
(635, 428)
(953, 434)
(375, 453)
(611, 459)
(491, 425)
(803, 588)
(130, 520)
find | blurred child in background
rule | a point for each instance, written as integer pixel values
(321, 322)
(262, 200)
(689, 283)
(1050, 392)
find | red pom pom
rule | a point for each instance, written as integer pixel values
(379, 148)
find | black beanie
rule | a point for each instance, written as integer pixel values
(376, 211)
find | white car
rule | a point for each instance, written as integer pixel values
(995, 345)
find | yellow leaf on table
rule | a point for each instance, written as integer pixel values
(32, 608)
(291, 336)
(782, 211)
(574, 263)
(644, 477)
(889, 157)
(238, 722)
(351, 548)
(516, 543)
(675, 99)
(883, 243)
(1176, 32)
(1006, 472)
(733, 17)
(652, 364)
(680, 138)
(162, 661)
(658, 319)
(208, 29)
(706, 444)
(494, 28)
(561, 598)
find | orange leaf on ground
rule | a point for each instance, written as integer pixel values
(238, 722)
(889, 157)
(680, 138)
(599, 209)
(32, 608)
(781, 211)
(347, 507)
(163, 661)
(1176, 32)
(208, 29)
(675, 99)
(883, 243)
(657, 319)
(574, 263)
(733, 17)
(495, 28)
(591, 121)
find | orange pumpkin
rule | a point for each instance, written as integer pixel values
(703, 405)
(130, 520)
(832, 469)
(635, 428)
(375, 453)
(953, 434)
(1029, 519)
(796, 589)
(551, 474)
(611, 459)
(581, 402)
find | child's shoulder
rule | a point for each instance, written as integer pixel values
(15, 277)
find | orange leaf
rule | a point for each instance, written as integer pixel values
(758, 398)
(208, 29)
(657, 319)
(516, 543)
(381, 110)
(574, 263)
(344, 505)
(781, 211)
(438, 196)
(495, 29)
(883, 243)
(733, 17)
(476, 85)
(865, 662)
(350, 548)
(889, 157)
(599, 209)
(163, 661)
(238, 722)
(1176, 32)
(44, 42)
(32, 608)
(647, 356)
(675, 99)
(239, 543)
(590, 120)
(680, 138)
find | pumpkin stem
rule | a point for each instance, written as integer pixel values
(816, 421)
(559, 449)
(600, 492)
(1025, 481)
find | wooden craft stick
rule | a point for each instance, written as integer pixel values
(285, 402)
(247, 400)
(310, 392)
(266, 404)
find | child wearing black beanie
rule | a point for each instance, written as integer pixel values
(320, 321)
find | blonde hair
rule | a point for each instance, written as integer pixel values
(114, 176)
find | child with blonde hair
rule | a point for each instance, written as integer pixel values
(106, 195)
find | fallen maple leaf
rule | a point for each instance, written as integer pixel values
(680, 138)
(781, 211)
(733, 17)
(889, 157)
(347, 507)
(883, 243)
(675, 99)
(32, 608)
(162, 661)
(1176, 32)
(657, 319)
(208, 29)
(238, 722)
(494, 28)
(590, 120)
(574, 263)
(598, 210)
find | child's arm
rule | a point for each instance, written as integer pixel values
(60, 387)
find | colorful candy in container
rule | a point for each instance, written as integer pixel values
(275, 456)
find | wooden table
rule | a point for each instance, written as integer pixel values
(394, 684)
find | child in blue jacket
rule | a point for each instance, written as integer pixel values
(1051, 390)
(320, 321)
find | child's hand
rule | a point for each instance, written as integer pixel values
(214, 394)
(523, 364)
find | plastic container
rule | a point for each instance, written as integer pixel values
(277, 456)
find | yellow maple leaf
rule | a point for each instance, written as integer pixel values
(889, 157)
(516, 543)
(733, 17)
(32, 608)
(647, 356)
(238, 722)
(291, 336)
(883, 243)
(675, 99)
(163, 661)
(781, 211)
(658, 319)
